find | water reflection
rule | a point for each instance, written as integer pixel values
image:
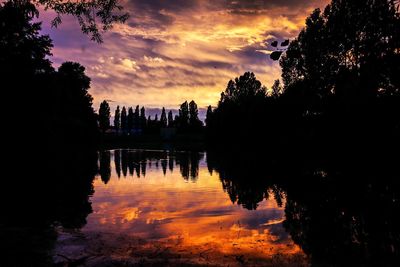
(54, 194)
(176, 202)
(170, 208)
(342, 211)
(135, 162)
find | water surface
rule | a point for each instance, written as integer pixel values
(161, 208)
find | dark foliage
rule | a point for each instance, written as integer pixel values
(340, 90)
(93, 16)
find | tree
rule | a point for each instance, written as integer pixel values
(74, 116)
(124, 119)
(142, 118)
(208, 116)
(184, 115)
(24, 65)
(243, 90)
(350, 49)
(276, 89)
(136, 117)
(240, 112)
(131, 119)
(170, 119)
(93, 16)
(194, 120)
(104, 116)
(163, 118)
(117, 119)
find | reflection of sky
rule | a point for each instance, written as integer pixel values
(197, 213)
(175, 50)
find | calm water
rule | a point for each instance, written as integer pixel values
(158, 207)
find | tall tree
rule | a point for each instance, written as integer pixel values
(142, 118)
(208, 116)
(117, 119)
(124, 119)
(350, 49)
(170, 119)
(24, 65)
(136, 117)
(131, 119)
(194, 120)
(163, 118)
(104, 116)
(74, 103)
(184, 115)
(240, 111)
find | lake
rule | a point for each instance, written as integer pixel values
(156, 207)
(130, 207)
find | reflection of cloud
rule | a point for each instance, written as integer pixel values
(130, 214)
(199, 214)
(273, 222)
(171, 51)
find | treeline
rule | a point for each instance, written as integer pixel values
(134, 121)
(340, 86)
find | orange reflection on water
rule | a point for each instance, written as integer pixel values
(193, 217)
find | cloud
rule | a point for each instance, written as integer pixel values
(172, 51)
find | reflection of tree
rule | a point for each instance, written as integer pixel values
(347, 217)
(105, 168)
(164, 166)
(242, 176)
(130, 163)
(143, 167)
(182, 160)
(171, 162)
(340, 214)
(117, 162)
(188, 164)
(57, 194)
(124, 162)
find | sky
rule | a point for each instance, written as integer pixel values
(171, 51)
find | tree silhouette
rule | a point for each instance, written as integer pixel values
(131, 119)
(209, 115)
(194, 121)
(117, 119)
(163, 118)
(93, 16)
(75, 117)
(104, 116)
(136, 118)
(356, 41)
(276, 89)
(170, 119)
(142, 118)
(124, 119)
(239, 111)
(24, 65)
(184, 115)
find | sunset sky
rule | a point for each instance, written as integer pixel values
(171, 51)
